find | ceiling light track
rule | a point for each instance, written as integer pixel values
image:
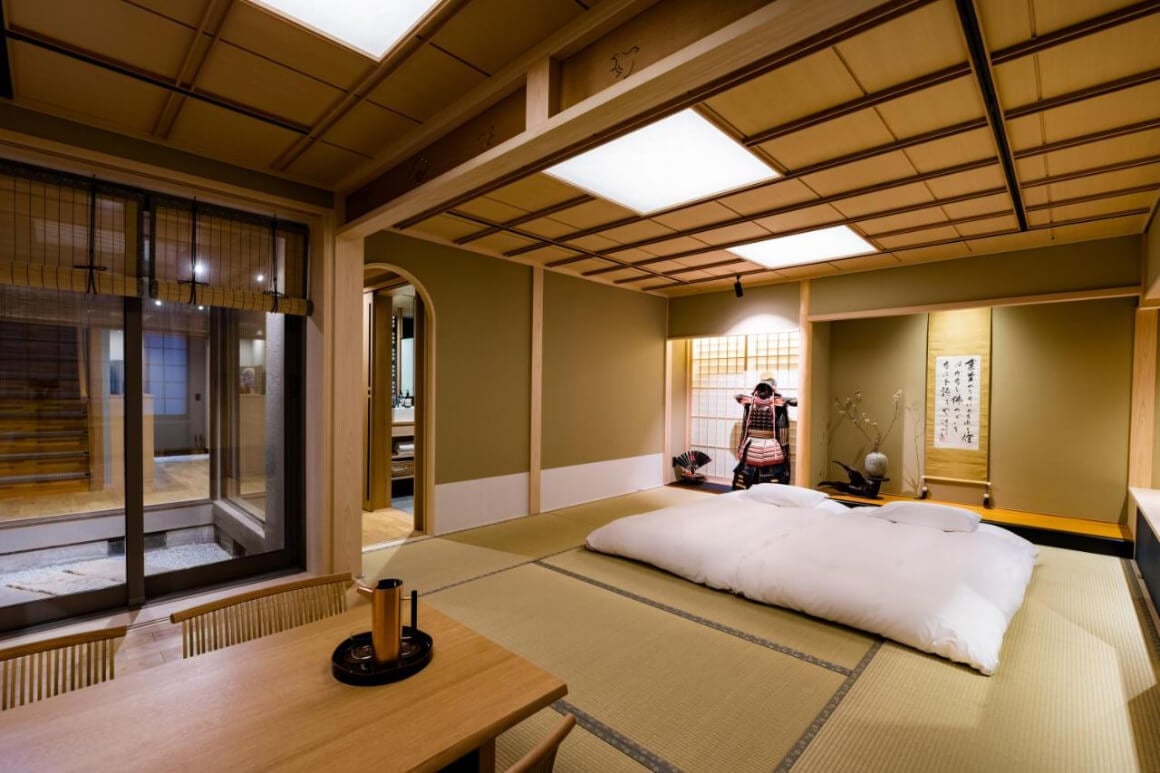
(980, 61)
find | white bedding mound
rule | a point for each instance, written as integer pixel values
(948, 593)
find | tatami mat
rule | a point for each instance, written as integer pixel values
(581, 752)
(429, 564)
(1076, 690)
(836, 644)
(698, 698)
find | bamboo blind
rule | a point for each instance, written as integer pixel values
(214, 257)
(34, 672)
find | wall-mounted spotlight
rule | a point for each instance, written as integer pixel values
(737, 287)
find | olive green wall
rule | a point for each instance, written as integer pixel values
(765, 309)
(821, 410)
(679, 409)
(90, 137)
(604, 360)
(1061, 381)
(876, 357)
(483, 314)
(1067, 267)
(1151, 248)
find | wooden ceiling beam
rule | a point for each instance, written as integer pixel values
(985, 79)
(791, 29)
(416, 38)
(1076, 31)
(213, 18)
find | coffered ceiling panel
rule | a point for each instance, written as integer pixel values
(695, 216)
(265, 34)
(324, 164)
(1110, 181)
(1133, 146)
(741, 232)
(674, 246)
(988, 225)
(645, 229)
(592, 213)
(1005, 23)
(425, 83)
(546, 226)
(933, 108)
(445, 227)
(921, 42)
(188, 12)
(1101, 113)
(1100, 229)
(779, 194)
(831, 139)
(1018, 82)
(1101, 57)
(803, 218)
(1103, 207)
(801, 88)
(958, 149)
(545, 255)
(368, 127)
(249, 79)
(491, 209)
(933, 234)
(57, 84)
(916, 219)
(973, 207)
(501, 242)
(983, 179)
(872, 203)
(931, 254)
(892, 166)
(1051, 15)
(534, 192)
(230, 136)
(490, 33)
(118, 30)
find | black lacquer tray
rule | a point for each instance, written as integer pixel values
(353, 661)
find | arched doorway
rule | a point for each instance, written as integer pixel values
(398, 358)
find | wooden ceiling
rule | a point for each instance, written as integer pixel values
(938, 129)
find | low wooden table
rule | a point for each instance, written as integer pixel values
(272, 703)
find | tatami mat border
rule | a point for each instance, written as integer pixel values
(751, 638)
(496, 571)
(1151, 635)
(616, 740)
(827, 711)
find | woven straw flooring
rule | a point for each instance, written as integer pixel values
(667, 675)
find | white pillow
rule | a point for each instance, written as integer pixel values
(926, 514)
(832, 506)
(782, 495)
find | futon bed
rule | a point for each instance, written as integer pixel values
(929, 576)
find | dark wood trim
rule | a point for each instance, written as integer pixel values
(57, 47)
(575, 201)
(981, 64)
(586, 254)
(5, 65)
(1097, 90)
(921, 83)
(134, 427)
(1147, 557)
(1076, 31)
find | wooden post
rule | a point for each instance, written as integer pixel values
(1143, 418)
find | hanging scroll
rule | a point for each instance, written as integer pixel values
(956, 402)
(958, 394)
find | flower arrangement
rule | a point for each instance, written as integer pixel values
(851, 408)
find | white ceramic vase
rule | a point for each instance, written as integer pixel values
(875, 464)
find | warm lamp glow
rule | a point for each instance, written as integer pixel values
(810, 247)
(676, 160)
(372, 27)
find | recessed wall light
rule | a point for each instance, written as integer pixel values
(676, 160)
(810, 247)
(371, 27)
(260, 277)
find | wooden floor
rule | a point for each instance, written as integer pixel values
(386, 525)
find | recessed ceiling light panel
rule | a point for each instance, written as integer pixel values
(810, 247)
(676, 160)
(371, 27)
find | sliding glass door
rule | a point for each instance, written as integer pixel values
(151, 407)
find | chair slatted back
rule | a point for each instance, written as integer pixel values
(34, 672)
(259, 613)
(542, 757)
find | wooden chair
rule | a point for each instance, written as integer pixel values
(258, 613)
(33, 672)
(542, 756)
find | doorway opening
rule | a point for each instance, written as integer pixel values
(393, 330)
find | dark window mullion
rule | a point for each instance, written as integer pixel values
(134, 453)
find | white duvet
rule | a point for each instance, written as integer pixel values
(948, 593)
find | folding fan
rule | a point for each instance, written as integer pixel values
(685, 466)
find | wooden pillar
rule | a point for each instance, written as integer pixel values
(542, 92)
(535, 439)
(345, 403)
(801, 474)
(1142, 430)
